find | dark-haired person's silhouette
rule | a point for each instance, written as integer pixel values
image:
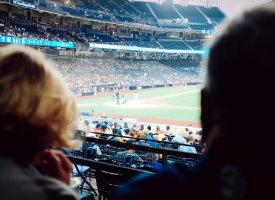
(239, 94)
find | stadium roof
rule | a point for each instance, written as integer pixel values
(207, 3)
(230, 9)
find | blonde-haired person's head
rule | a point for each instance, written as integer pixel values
(36, 108)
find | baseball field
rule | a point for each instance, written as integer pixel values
(171, 105)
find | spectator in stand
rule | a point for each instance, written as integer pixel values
(169, 133)
(149, 138)
(160, 136)
(151, 160)
(179, 139)
(186, 132)
(128, 157)
(187, 148)
(141, 140)
(230, 168)
(149, 128)
(141, 129)
(104, 132)
(36, 111)
(198, 136)
(157, 131)
(97, 128)
(190, 139)
(117, 137)
(126, 125)
(135, 132)
(85, 126)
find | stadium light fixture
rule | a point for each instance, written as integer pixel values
(144, 49)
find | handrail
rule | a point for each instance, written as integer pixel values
(160, 142)
(142, 148)
(98, 165)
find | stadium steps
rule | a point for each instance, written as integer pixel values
(114, 38)
(187, 45)
(136, 9)
(101, 6)
(75, 38)
(159, 44)
(154, 14)
(178, 12)
(174, 7)
(204, 15)
(174, 44)
(125, 11)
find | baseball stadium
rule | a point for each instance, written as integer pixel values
(135, 70)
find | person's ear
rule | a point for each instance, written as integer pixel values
(206, 115)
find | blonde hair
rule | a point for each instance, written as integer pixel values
(34, 96)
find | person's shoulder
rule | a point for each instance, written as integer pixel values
(170, 183)
(55, 189)
(122, 153)
(189, 149)
(28, 185)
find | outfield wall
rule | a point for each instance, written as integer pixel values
(92, 93)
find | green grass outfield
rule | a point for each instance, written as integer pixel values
(175, 103)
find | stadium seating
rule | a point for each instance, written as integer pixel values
(164, 11)
(108, 182)
(215, 15)
(195, 44)
(192, 14)
(174, 44)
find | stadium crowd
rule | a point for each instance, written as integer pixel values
(79, 36)
(181, 139)
(188, 135)
(36, 101)
(33, 30)
(82, 75)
